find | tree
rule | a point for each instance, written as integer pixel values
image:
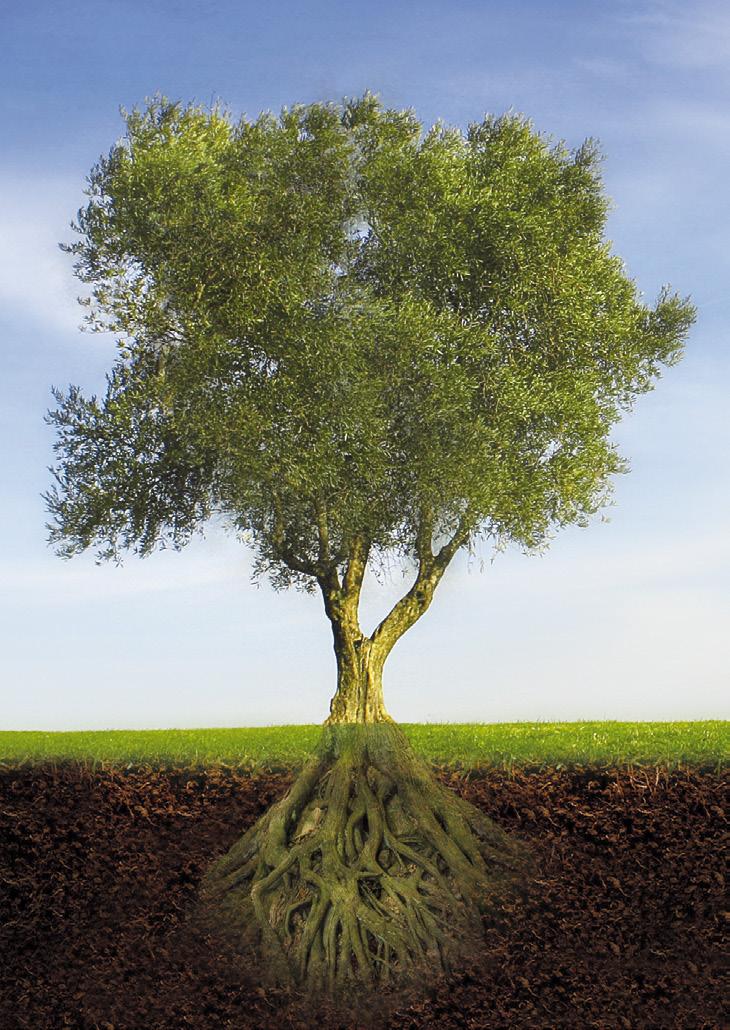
(351, 340)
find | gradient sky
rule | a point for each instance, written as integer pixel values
(627, 619)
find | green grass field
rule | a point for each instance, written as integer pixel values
(505, 745)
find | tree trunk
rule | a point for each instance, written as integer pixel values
(359, 696)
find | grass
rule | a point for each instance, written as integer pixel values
(506, 745)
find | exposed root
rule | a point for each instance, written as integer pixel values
(366, 872)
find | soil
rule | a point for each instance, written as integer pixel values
(620, 926)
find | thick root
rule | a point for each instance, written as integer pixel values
(367, 872)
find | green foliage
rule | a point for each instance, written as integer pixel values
(334, 326)
(665, 744)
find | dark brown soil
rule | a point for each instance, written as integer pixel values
(621, 925)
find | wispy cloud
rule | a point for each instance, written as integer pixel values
(678, 121)
(618, 566)
(606, 68)
(57, 582)
(683, 35)
(36, 280)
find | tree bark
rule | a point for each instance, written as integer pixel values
(359, 696)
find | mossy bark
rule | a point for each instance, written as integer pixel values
(359, 697)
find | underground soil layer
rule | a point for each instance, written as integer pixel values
(620, 924)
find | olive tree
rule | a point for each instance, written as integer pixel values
(351, 340)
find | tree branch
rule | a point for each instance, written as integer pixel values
(424, 536)
(356, 565)
(341, 600)
(322, 533)
(431, 568)
(282, 549)
(449, 549)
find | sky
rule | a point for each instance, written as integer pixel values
(626, 619)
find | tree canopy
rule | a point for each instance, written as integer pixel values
(348, 336)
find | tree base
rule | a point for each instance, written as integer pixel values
(366, 873)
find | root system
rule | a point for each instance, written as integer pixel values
(367, 872)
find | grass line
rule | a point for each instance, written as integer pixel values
(703, 744)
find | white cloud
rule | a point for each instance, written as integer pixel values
(677, 121)
(606, 68)
(633, 631)
(36, 278)
(56, 582)
(610, 628)
(683, 35)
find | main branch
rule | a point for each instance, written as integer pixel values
(431, 567)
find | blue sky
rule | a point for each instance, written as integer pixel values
(624, 620)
